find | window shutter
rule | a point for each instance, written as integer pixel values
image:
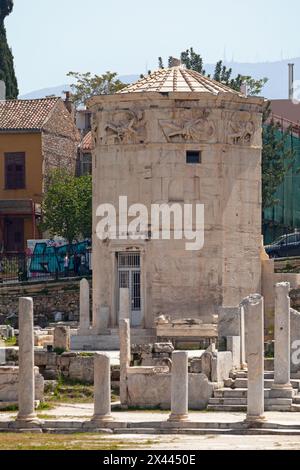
(15, 170)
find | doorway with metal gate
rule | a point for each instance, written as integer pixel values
(129, 276)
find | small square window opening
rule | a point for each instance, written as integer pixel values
(193, 157)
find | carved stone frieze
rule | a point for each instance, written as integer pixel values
(192, 129)
(240, 129)
(125, 127)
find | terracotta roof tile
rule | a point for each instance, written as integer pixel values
(25, 114)
(87, 143)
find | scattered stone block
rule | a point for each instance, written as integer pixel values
(234, 346)
(196, 366)
(9, 378)
(62, 338)
(163, 348)
(82, 369)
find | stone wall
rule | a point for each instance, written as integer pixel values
(49, 298)
(9, 386)
(74, 366)
(154, 390)
(60, 140)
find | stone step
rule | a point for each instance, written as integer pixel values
(235, 393)
(231, 393)
(243, 401)
(244, 375)
(236, 408)
(296, 399)
(226, 408)
(243, 383)
(169, 431)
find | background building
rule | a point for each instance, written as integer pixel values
(284, 216)
(35, 137)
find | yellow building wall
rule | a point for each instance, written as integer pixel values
(31, 144)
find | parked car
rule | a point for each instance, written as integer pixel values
(285, 246)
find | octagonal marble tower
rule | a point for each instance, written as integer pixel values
(178, 137)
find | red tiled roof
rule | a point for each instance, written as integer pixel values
(87, 143)
(25, 114)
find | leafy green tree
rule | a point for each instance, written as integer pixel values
(67, 206)
(85, 203)
(277, 158)
(88, 85)
(224, 75)
(192, 60)
(7, 71)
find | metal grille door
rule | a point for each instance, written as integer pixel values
(129, 276)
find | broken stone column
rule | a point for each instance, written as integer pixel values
(62, 338)
(242, 338)
(179, 387)
(84, 327)
(102, 389)
(254, 324)
(125, 357)
(282, 387)
(26, 388)
(102, 320)
(124, 304)
(234, 346)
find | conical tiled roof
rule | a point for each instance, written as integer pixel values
(178, 79)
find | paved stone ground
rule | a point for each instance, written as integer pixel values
(211, 442)
(85, 410)
(183, 442)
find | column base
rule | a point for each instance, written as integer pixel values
(28, 421)
(98, 419)
(281, 391)
(178, 418)
(253, 420)
(84, 331)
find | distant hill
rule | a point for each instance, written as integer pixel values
(276, 72)
(59, 90)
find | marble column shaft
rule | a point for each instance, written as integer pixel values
(282, 367)
(26, 388)
(124, 304)
(84, 307)
(254, 325)
(179, 386)
(102, 388)
(125, 357)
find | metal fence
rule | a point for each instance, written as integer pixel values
(43, 267)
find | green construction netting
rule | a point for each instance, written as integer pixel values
(284, 217)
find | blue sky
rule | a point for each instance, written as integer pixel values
(51, 37)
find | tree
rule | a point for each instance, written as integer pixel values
(7, 71)
(160, 63)
(88, 85)
(223, 74)
(67, 206)
(192, 60)
(277, 158)
(6, 7)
